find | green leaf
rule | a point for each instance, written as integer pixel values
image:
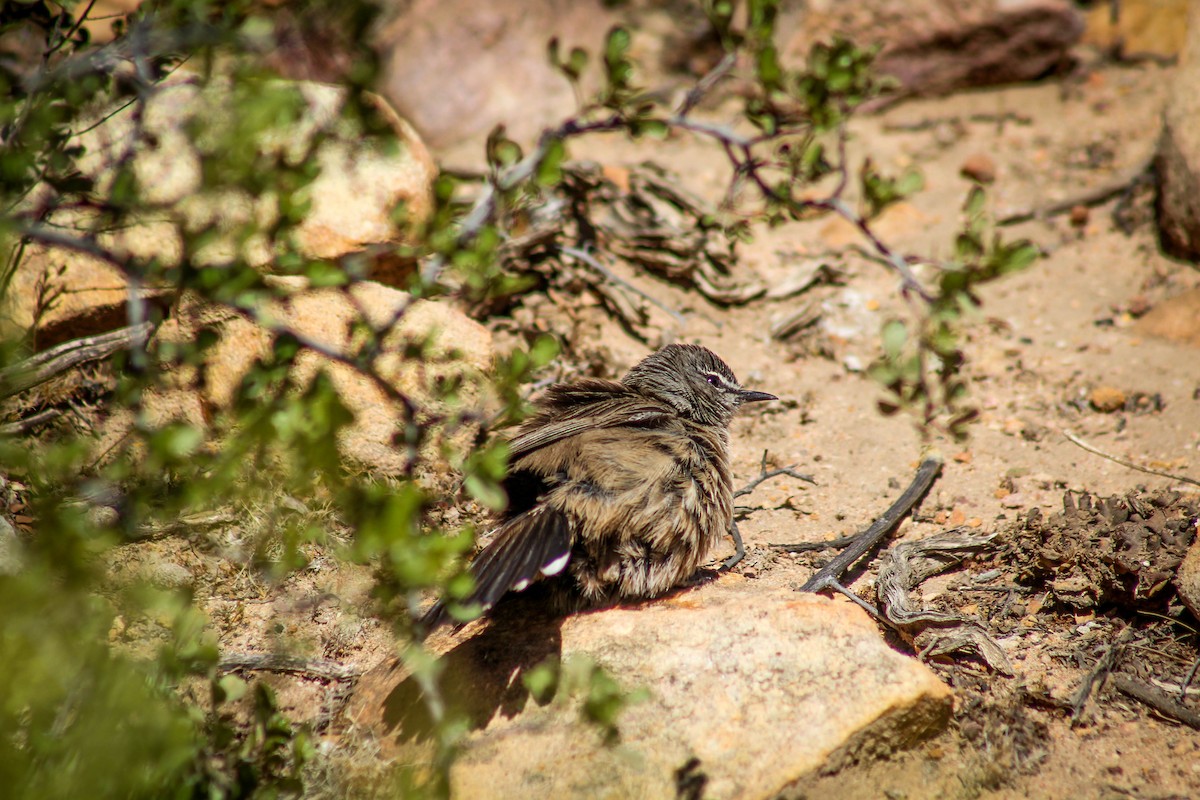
(894, 336)
(231, 688)
(178, 441)
(545, 349)
(616, 46)
(542, 681)
(578, 61)
(488, 493)
(549, 171)
(973, 207)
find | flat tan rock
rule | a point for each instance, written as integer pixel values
(1176, 319)
(353, 198)
(454, 346)
(760, 688)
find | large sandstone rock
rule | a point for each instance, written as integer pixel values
(1176, 319)
(756, 688)
(946, 45)
(451, 346)
(360, 184)
(1178, 159)
(1139, 27)
(457, 68)
(1187, 579)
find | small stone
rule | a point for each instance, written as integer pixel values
(1107, 399)
(103, 516)
(1013, 426)
(979, 168)
(1079, 216)
(1139, 304)
(168, 575)
(1014, 500)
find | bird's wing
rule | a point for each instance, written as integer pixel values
(527, 547)
(588, 405)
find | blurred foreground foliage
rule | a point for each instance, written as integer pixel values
(83, 713)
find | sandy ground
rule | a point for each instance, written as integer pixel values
(1046, 338)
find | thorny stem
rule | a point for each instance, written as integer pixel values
(739, 150)
(705, 84)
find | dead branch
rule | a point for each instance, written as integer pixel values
(1092, 197)
(320, 669)
(1157, 700)
(1128, 464)
(23, 426)
(608, 274)
(38, 369)
(765, 474)
(908, 565)
(812, 547)
(829, 576)
(1099, 673)
(738, 546)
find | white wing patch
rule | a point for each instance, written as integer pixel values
(556, 566)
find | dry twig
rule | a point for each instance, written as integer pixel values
(38, 369)
(1092, 197)
(1099, 673)
(828, 577)
(1157, 700)
(273, 662)
(908, 565)
(739, 547)
(23, 426)
(1128, 464)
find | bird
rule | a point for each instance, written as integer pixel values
(617, 490)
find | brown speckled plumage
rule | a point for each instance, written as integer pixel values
(617, 491)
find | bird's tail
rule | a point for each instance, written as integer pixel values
(526, 548)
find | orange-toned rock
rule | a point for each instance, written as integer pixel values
(732, 672)
(1176, 319)
(1107, 399)
(979, 167)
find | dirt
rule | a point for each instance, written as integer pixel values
(1055, 350)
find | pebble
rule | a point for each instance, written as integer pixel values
(168, 575)
(1014, 500)
(979, 167)
(1107, 399)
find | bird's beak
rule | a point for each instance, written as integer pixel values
(747, 396)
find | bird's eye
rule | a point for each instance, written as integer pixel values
(713, 380)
